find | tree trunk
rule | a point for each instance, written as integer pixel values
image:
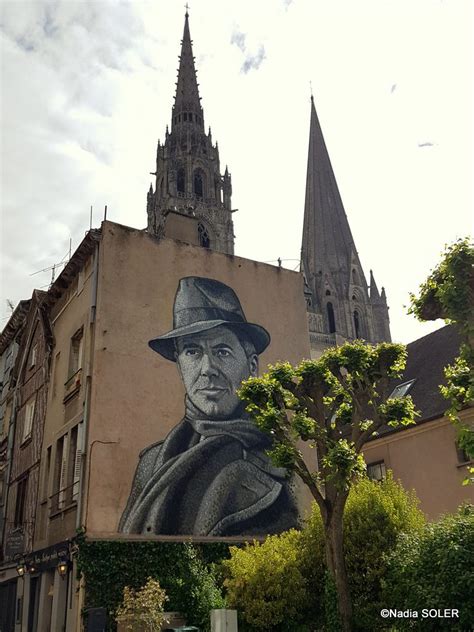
(333, 526)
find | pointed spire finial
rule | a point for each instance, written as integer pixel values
(311, 90)
(374, 291)
(186, 15)
(187, 98)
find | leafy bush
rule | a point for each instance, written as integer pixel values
(265, 583)
(434, 569)
(142, 610)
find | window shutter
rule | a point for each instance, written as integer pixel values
(78, 462)
(63, 475)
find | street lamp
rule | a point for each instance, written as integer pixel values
(62, 568)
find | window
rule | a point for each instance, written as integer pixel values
(376, 471)
(33, 353)
(75, 357)
(75, 460)
(56, 373)
(331, 318)
(402, 389)
(46, 473)
(28, 420)
(203, 235)
(198, 183)
(185, 116)
(21, 489)
(60, 475)
(190, 117)
(356, 324)
(463, 456)
(180, 180)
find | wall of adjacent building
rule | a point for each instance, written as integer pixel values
(425, 458)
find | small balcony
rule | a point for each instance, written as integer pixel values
(73, 385)
(64, 499)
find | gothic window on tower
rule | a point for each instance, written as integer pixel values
(203, 235)
(180, 180)
(357, 324)
(198, 184)
(331, 318)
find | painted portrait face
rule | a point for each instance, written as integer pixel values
(213, 364)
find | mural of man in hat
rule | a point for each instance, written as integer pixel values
(210, 476)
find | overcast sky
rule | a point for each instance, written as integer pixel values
(87, 89)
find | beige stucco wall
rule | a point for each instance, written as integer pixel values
(182, 228)
(424, 458)
(137, 396)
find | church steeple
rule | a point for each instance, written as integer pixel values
(327, 237)
(187, 102)
(339, 306)
(192, 199)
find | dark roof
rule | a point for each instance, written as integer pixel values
(74, 265)
(14, 323)
(426, 360)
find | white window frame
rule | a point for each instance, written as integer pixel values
(30, 408)
(34, 351)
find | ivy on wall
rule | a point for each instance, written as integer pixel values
(184, 570)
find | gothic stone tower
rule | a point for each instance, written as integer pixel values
(188, 178)
(340, 306)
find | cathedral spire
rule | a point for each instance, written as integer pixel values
(187, 102)
(327, 237)
(336, 291)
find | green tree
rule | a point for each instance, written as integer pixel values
(375, 516)
(448, 293)
(335, 403)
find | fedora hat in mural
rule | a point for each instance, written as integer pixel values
(201, 304)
